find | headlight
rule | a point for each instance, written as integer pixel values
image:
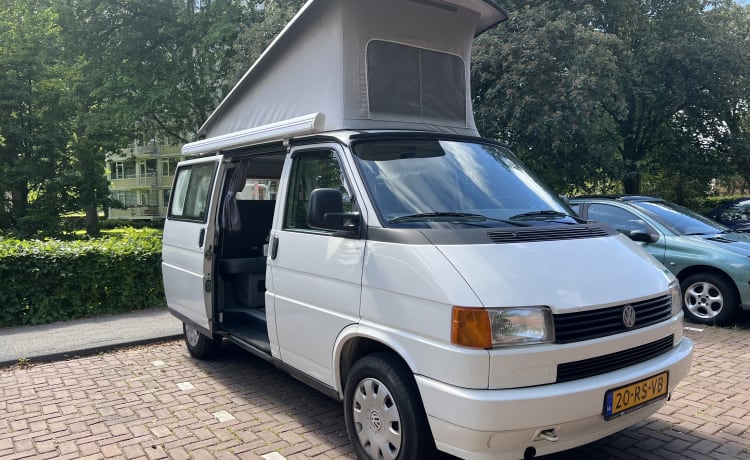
(492, 327)
(518, 326)
(676, 292)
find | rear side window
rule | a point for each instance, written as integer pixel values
(191, 192)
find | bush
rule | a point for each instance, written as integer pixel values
(53, 280)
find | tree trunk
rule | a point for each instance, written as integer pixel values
(631, 181)
(92, 221)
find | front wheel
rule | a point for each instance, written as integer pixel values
(199, 345)
(384, 415)
(709, 299)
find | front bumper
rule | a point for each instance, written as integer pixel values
(500, 424)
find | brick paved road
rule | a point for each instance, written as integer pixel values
(155, 402)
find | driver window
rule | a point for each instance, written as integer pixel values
(622, 220)
(312, 170)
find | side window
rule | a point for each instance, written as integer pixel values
(259, 190)
(191, 192)
(620, 219)
(312, 170)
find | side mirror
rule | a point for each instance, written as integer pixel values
(643, 237)
(326, 212)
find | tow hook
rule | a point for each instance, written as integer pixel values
(547, 435)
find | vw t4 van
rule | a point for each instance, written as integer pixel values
(340, 217)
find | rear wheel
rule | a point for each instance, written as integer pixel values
(709, 299)
(384, 415)
(199, 345)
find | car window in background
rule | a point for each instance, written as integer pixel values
(738, 212)
(681, 220)
(620, 219)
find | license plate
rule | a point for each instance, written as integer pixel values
(620, 401)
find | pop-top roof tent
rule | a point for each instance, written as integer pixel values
(359, 64)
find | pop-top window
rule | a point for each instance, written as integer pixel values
(414, 82)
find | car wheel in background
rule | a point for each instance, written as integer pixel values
(709, 299)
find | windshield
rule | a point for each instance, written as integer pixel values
(680, 220)
(428, 182)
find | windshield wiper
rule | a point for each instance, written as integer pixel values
(546, 213)
(466, 215)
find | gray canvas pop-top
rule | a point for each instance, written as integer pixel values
(364, 64)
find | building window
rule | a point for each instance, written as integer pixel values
(168, 166)
(123, 170)
(126, 197)
(165, 197)
(118, 170)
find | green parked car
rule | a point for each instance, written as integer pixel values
(711, 261)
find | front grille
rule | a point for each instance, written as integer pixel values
(603, 364)
(535, 234)
(586, 325)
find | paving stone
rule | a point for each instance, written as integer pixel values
(121, 405)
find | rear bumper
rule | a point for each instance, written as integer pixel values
(499, 424)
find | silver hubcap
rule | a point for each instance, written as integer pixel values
(703, 300)
(376, 420)
(192, 335)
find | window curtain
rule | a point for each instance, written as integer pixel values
(231, 214)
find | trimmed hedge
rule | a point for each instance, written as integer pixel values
(52, 280)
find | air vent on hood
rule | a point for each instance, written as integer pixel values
(523, 235)
(720, 239)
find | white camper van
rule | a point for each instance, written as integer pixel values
(341, 218)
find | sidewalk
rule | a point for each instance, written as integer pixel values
(64, 339)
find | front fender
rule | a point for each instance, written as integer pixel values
(342, 352)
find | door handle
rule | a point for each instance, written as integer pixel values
(274, 246)
(201, 237)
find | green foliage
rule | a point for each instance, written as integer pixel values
(52, 280)
(262, 27)
(704, 205)
(650, 94)
(34, 108)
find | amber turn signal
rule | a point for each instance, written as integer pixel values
(470, 327)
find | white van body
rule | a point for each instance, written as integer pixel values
(388, 256)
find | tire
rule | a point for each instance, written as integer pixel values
(709, 299)
(199, 345)
(380, 388)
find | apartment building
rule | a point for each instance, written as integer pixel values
(141, 179)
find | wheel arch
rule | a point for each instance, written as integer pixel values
(695, 269)
(356, 342)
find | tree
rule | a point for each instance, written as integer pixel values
(594, 91)
(164, 59)
(268, 18)
(541, 83)
(34, 108)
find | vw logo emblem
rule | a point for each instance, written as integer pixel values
(628, 316)
(375, 421)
